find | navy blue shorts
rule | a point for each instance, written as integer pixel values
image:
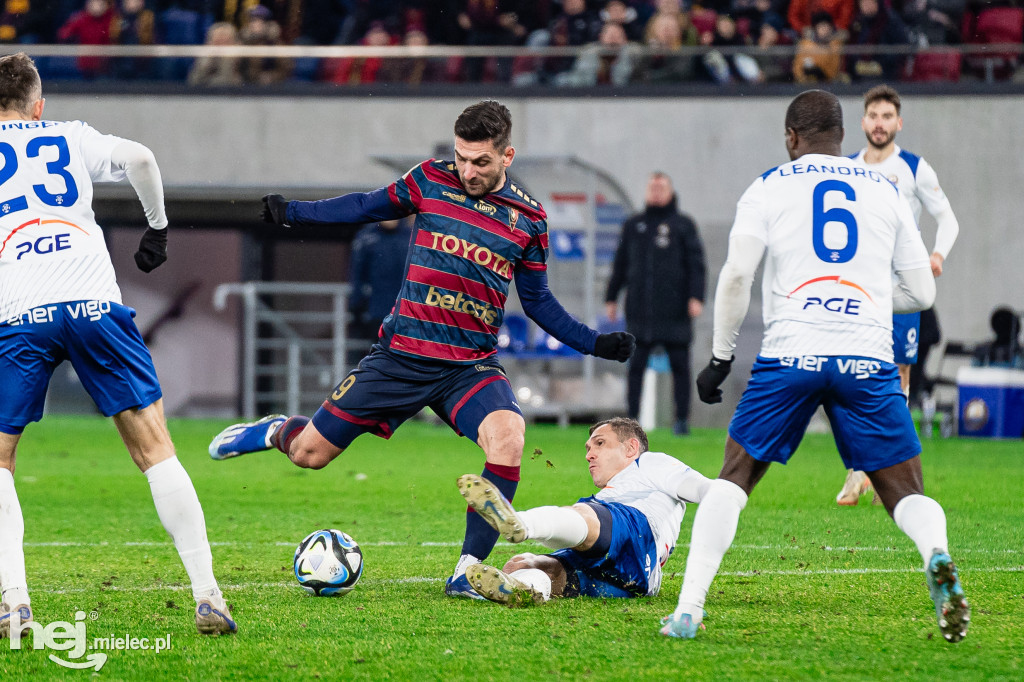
(905, 331)
(620, 562)
(385, 389)
(862, 399)
(101, 341)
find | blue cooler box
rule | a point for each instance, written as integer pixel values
(990, 402)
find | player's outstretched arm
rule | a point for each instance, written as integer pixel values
(541, 306)
(140, 167)
(354, 208)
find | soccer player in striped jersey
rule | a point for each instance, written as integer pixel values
(475, 232)
(612, 544)
(834, 233)
(59, 301)
(918, 183)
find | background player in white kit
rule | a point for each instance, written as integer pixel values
(612, 544)
(918, 183)
(834, 232)
(59, 301)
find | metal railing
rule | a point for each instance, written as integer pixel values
(289, 357)
(975, 54)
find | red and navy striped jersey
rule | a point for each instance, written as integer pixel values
(463, 256)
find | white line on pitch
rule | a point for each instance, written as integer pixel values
(827, 548)
(423, 579)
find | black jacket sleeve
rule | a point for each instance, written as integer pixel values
(620, 266)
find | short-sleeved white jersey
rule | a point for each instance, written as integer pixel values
(651, 484)
(914, 177)
(835, 232)
(51, 249)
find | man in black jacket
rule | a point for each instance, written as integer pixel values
(660, 261)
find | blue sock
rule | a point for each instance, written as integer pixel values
(480, 537)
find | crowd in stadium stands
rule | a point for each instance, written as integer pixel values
(609, 33)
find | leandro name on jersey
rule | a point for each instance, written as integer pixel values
(827, 286)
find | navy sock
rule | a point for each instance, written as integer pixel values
(286, 432)
(480, 537)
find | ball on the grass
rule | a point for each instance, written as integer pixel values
(328, 563)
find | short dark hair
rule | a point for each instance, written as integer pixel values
(624, 428)
(489, 120)
(882, 93)
(816, 114)
(20, 85)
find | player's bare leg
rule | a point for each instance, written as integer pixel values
(145, 434)
(901, 489)
(501, 435)
(714, 528)
(12, 536)
(306, 447)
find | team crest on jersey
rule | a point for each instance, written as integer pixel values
(461, 198)
(484, 207)
(513, 218)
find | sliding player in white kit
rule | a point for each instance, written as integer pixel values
(59, 301)
(612, 544)
(918, 183)
(834, 233)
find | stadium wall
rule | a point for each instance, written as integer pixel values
(712, 148)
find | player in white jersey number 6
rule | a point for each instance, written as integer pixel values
(59, 300)
(833, 231)
(612, 544)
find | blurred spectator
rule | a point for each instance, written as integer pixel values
(261, 29)
(360, 70)
(413, 70)
(819, 54)
(1006, 349)
(595, 67)
(775, 68)
(362, 13)
(665, 34)
(322, 21)
(934, 22)
(574, 26)
(732, 66)
(673, 8)
(218, 71)
(29, 21)
(96, 24)
(755, 13)
(492, 23)
(801, 11)
(135, 26)
(621, 13)
(876, 24)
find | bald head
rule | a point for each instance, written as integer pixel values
(814, 124)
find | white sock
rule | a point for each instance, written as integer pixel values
(465, 561)
(179, 510)
(12, 538)
(554, 527)
(535, 578)
(714, 527)
(924, 522)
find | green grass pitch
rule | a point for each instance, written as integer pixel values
(808, 591)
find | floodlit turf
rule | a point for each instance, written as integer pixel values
(809, 590)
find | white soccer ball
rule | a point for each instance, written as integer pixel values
(328, 563)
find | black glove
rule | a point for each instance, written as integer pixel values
(275, 210)
(615, 346)
(152, 249)
(710, 378)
